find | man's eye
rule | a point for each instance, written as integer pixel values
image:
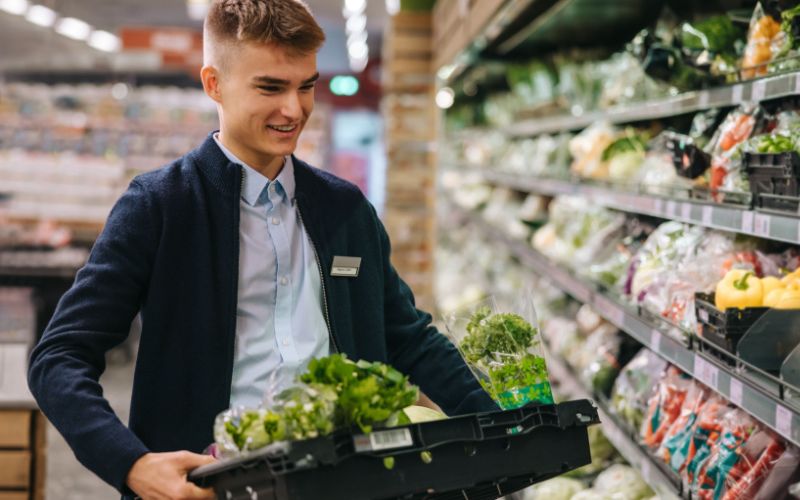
(269, 88)
(307, 88)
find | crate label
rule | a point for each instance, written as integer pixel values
(702, 99)
(761, 225)
(672, 209)
(747, 222)
(783, 420)
(705, 371)
(383, 440)
(759, 90)
(703, 315)
(708, 213)
(686, 211)
(736, 94)
(655, 340)
(736, 392)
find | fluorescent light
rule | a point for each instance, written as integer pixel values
(445, 97)
(16, 7)
(103, 40)
(197, 9)
(74, 28)
(356, 23)
(358, 65)
(392, 7)
(359, 37)
(353, 7)
(358, 50)
(41, 16)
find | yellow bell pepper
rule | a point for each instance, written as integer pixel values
(769, 284)
(789, 300)
(740, 289)
(772, 298)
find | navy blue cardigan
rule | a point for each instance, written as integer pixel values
(170, 248)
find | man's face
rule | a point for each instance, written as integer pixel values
(265, 98)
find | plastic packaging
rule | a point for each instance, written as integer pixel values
(504, 352)
(763, 43)
(634, 384)
(664, 406)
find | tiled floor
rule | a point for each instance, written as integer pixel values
(67, 479)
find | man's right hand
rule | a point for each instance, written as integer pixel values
(162, 476)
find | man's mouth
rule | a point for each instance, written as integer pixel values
(283, 128)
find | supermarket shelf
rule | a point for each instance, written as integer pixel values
(759, 399)
(623, 440)
(716, 216)
(762, 89)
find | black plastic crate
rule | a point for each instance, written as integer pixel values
(474, 457)
(724, 328)
(690, 161)
(776, 203)
(774, 180)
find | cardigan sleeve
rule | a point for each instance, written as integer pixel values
(91, 318)
(418, 349)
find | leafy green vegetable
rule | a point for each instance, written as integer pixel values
(498, 347)
(716, 34)
(631, 142)
(256, 428)
(790, 24)
(307, 411)
(368, 393)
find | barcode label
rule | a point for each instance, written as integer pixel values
(759, 90)
(702, 99)
(686, 211)
(707, 215)
(761, 225)
(383, 440)
(736, 94)
(783, 420)
(705, 372)
(736, 392)
(672, 209)
(659, 206)
(747, 222)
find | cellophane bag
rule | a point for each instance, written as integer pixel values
(503, 348)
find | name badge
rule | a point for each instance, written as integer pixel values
(346, 266)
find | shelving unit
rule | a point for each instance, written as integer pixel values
(774, 404)
(627, 199)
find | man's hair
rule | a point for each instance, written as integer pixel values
(286, 23)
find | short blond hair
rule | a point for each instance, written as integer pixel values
(286, 23)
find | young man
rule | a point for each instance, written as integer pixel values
(228, 253)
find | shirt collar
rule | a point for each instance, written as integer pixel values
(255, 183)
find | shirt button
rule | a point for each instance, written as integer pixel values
(276, 221)
(284, 281)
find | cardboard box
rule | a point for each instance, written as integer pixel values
(15, 429)
(15, 469)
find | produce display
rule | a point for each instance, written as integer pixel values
(617, 481)
(334, 393)
(504, 352)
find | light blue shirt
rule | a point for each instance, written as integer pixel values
(280, 325)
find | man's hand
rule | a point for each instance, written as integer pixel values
(162, 476)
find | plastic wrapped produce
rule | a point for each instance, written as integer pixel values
(587, 150)
(635, 384)
(760, 454)
(704, 434)
(558, 488)
(726, 171)
(622, 482)
(602, 452)
(764, 42)
(664, 406)
(676, 446)
(504, 351)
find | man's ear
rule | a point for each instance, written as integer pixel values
(211, 82)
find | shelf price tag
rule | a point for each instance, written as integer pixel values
(759, 90)
(761, 225)
(686, 211)
(736, 392)
(747, 222)
(655, 340)
(705, 372)
(647, 473)
(672, 209)
(659, 209)
(708, 212)
(702, 99)
(797, 84)
(783, 420)
(736, 93)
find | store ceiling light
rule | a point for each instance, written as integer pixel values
(16, 7)
(359, 37)
(445, 97)
(353, 7)
(41, 15)
(344, 85)
(392, 7)
(197, 9)
(73, 28)
(104, 41)
(358, 65)
(356, 23)
(358, 50)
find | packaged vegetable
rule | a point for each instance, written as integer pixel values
(705, 433)
(504, 352)
(622, 482)
(784, 472)
(664, 406)
(726, 150)
(601, 450)
(635, 384)
(676, 446)
(763, 43)
(760, 453)
(558, 488)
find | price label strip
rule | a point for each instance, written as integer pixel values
(747, 222)
(705, 372)
(783, 420)
(736, 392)
(708, 212)
(761, 225)
(383, 440)
(655, 340)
